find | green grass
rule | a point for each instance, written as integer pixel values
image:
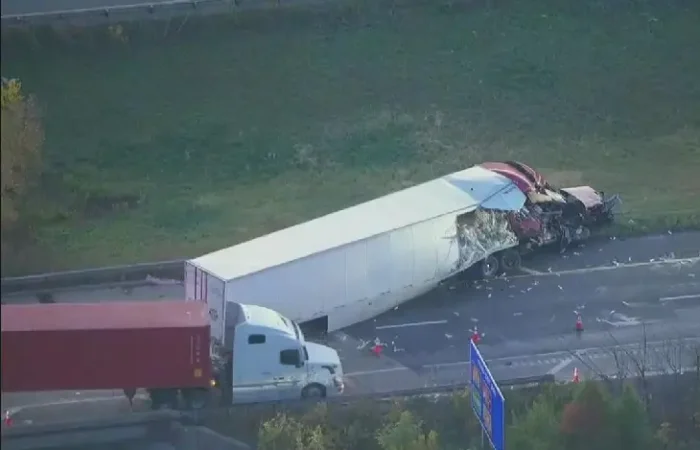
(175, 141)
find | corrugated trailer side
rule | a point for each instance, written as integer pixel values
(104, 346)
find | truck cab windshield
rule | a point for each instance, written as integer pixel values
(298, 333)
(295, 327)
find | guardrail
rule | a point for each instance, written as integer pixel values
(154, 9)
(172, 270)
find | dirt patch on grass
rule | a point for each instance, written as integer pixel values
(231, 128)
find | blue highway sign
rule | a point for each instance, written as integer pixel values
(487, 400)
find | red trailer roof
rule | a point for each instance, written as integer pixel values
(524, 183)
(107, 315)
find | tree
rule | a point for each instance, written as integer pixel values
(585, 421)
(631, 421)
(406, 434)
(287, 433)
(552, 417)
(538, 428)
(22, 137)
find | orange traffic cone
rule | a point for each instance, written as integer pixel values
(377, 348)
(576, 378)
(7, 419)
(579, 323)
(476, 337)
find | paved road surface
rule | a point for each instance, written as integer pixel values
(515, 311)
(20, 7)
(527, 321)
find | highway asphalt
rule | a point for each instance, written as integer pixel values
(527, 322)
(513, 312)
(20, 7)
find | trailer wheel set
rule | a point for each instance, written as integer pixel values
(505, 261)
(193, 398)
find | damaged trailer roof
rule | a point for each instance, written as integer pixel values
(526, 178)
(458, 192)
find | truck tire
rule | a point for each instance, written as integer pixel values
(313, 391)
(510, 260)
(195, 399)
(489, 267)
(582, 234)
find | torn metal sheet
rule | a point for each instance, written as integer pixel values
(482, 233)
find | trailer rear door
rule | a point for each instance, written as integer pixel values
(204, 287)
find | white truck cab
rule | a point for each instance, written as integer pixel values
(272, 360)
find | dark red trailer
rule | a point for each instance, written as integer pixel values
(161, 345)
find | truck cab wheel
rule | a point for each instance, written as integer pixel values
(313, 391)
(510, 260)
(489, 267)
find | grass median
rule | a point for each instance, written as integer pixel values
(171, 139)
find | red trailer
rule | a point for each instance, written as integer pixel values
(161, 346)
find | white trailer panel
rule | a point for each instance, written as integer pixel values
(356, 263)
(204, 287)
(357, 281)
(403, 255)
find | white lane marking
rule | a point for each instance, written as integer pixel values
(533, 273)
(535, 356)
(623, 323)
(530, 271)
(679, 297)
(637, 304)
(559, 367)
(586, 270)
(412, 324)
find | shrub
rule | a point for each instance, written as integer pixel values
(569, 417)
(22, 137)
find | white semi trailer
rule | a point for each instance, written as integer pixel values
(356, 263)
